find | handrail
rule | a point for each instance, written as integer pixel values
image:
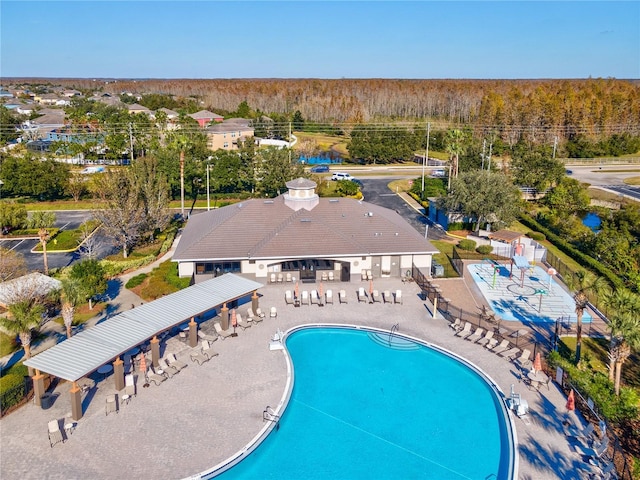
(394, 329)
(269, 415)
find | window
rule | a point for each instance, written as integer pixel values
(225, 145)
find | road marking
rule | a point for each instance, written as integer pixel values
(17, 245)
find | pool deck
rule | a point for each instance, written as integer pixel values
(206, 413)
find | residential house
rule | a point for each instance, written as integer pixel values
(205, 117)
(225, 135)
(135, 108)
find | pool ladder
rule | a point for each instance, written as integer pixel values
(269, 415)
(393, 330)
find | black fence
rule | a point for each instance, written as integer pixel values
(12, 398)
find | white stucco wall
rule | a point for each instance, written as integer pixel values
(186, 269)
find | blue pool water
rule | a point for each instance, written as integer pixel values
(362, 410)
(592, 220)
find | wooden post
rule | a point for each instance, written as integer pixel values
(254, 301)
(76, 401)
(224, 315)
(38, 387)
(118, 373)
(155, 351)
(193, 333)
(435, 306)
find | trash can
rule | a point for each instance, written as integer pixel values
(46, 401)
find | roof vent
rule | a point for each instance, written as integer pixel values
(370, 214)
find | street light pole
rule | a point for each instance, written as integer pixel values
(426, 157)
(208, 200)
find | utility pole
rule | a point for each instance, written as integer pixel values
(426, 157)
(208, 199)
(489, 166)
(555, 145)
(182, 183)
(484, 145)
(130, 142)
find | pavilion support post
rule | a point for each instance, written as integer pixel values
(155, 351)
(38, 387)
(435, 306)
(193, 333)
(254, 301)
(76, 401)
(224, 315)
(118, 373)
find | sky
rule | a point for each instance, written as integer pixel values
(328, 39)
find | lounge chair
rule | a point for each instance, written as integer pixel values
(222, 333)
(455, 325)
(491, 343)
(304, 299)
(369, 275)
(362, 295)
(288, 278)
(288, 297)
(523, 360)
(241, 322)
(329, 297)
(475, 336)
(375, 296)
(260, 313)
(199, 355)
(166, 368)
(55, 433)
(280, 278)
(342, 296)
(387, 297)
(363, 275)
(255, 319)
(512, 352)
(501, 347)
(86, 384)
(130, 385)
(486, 339)
(111, 404)
(585, 434)
(330, 277)
(273, 313)
(398, 296)
(206, 336)
(174, 362)
(324, 277)
(154, 377)
(465, 331)
(272, 278)
(594, 453)
(208, 351)
(314, 297)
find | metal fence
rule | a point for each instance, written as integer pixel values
(13, 398)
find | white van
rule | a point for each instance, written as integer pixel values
(341, 176)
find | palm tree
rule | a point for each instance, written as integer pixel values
(71, 295)
(24, 316)
(43, 221)
(584, 283)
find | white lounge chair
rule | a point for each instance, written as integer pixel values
(375, 296)
(398, 296)
(130, 385)
(455, 325)
(304, 300)
(272, 278)
(512, 352)
(241, 322)
(330, 277)
(288, 278)
(222, 333)
(288, 297)
(324, 277)
(154, 377)
(314, 297)
(501, 347)
(273, 312)
(55, 433)
(475, 336)
(174, 362)
(363, 275)
(207, 350)
(362, 295)
(491, 343)
(280, 278)
(342, 296)
(594, 453)
(465, 332)
(206, 336)
(523, 360)
(255, 319)
(166, 368)
(486, 338)
(260, 313)
(329, 297)
(387, 297)
(369, 275)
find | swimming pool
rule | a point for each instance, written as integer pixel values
(362, 408)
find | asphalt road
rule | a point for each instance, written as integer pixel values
(67, 220)
(626, 190)
(605, 175)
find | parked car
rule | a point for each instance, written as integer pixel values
(357, 182)
(341, 176)
(320, 169)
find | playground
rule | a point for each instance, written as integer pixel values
(518, 291)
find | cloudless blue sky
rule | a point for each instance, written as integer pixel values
(330, 39)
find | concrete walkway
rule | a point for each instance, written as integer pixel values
(206, 413)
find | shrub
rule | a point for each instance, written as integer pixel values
(454, 226)
(11, 390)
(468, 245)
(484, 249)
(135, 281)
(537, 236)
(114, 268)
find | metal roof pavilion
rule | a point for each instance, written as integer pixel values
(86, 351)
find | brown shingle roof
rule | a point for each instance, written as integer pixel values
(269, 229)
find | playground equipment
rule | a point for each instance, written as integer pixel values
(493, 265)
